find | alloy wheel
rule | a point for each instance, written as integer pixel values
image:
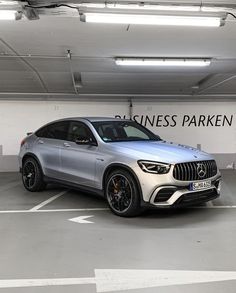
(119, 193)
(29, 174)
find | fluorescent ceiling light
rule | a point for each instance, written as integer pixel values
(8, 2)
(174, 7)
(162, 62)
(142, 7)
(8, 15)
(216, 9)
(152, 19)
(154, 7)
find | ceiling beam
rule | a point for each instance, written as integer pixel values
(111, 94)
(212, 86)
(27, 63)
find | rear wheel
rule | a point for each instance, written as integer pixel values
(32, 175)
(122, 194)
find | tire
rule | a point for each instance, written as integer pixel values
(32, 175)
(122, 193)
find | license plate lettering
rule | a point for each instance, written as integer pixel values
(200, 185)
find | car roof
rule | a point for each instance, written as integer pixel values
(93, 119)
(90, 119)
(97, 119)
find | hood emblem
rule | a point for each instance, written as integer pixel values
(201, 170)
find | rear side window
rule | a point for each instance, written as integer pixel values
(57, 130)
(42, 132)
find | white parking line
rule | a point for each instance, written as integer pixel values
(51, 211)
(94, 209)
(42, 204)
(215, 207)
(113, 280)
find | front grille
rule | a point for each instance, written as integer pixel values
(190, 171)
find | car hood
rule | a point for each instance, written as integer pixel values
(160, 151)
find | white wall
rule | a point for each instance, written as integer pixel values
(187, 129)
(19, 117)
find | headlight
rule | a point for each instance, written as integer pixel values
(154, 167)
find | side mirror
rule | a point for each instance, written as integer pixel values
(83, 140)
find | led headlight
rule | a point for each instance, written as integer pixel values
(154, 167)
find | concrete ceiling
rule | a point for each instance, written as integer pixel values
(33, 58)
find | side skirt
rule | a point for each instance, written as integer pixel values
(67, 184)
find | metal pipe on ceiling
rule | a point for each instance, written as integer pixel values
(69, 55)
(33, 56)
(113, 95)
(30, 56)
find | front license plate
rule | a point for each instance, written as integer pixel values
(200, 185)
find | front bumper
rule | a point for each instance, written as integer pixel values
(178, 196)
(153, 187)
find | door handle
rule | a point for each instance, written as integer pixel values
(40, 141)
(66, 144)
(100, 159)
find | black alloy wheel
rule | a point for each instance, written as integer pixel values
(122, 194)
(32, 175)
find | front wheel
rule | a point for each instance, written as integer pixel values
(32, 175)
(122, 194)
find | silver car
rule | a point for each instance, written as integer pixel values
(121, 160)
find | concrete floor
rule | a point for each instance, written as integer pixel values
(44, 244)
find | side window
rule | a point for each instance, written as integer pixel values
(42, 132)
(57, 130)
(79, 130)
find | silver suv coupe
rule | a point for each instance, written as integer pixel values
(121, 160)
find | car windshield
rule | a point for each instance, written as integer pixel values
(115, 131)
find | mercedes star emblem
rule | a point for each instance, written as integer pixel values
(201, 170)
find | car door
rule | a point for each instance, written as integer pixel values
(48, 147)
(78, 160)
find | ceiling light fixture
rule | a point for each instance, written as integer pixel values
(156, 7)
(8, 2)
(10, 15)
(11, 10)
(142, 7)
(172, 20)
(163, 62)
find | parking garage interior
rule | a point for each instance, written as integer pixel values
(176, 79)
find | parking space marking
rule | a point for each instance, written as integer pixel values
(93, 209)
(111, 280)
(81, 220)
(20, 283)
(214, 207)
(51, 211)
(74, 210)
(44, 203)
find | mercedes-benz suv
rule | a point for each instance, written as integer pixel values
(121, 160)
